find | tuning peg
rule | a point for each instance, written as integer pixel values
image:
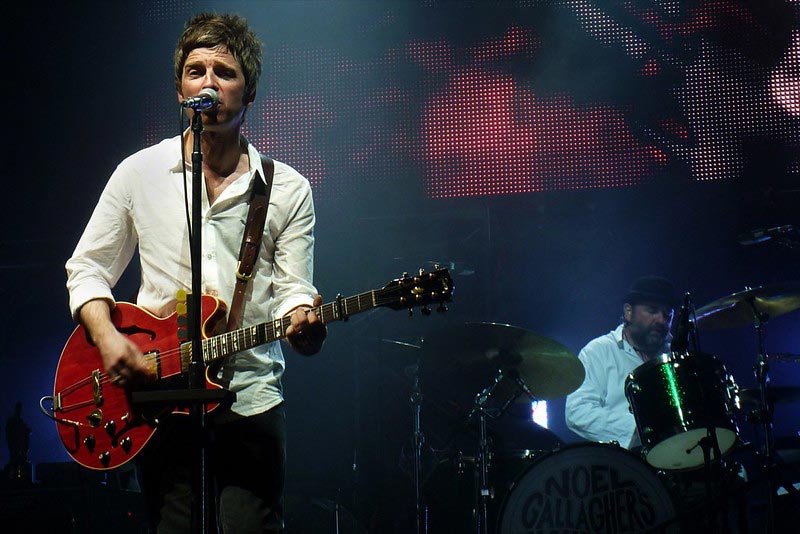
(404, 275)
(425, 310)
(421, 271)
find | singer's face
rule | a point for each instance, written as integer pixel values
(648, 324)
(217, 69)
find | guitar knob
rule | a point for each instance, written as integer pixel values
(126, 444)
(89, 442)
(111, 427)
(105, 458)
(95, 418)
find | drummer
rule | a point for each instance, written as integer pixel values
(598, 409)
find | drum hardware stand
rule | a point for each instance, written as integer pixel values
(484, 491)
(479, 407)
(711, 468)
(764, 414)
(419, 441)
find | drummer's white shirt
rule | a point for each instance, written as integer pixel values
(598, 410)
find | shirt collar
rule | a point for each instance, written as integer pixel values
(618, 336)
(253, 156)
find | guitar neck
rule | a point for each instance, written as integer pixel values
(218, 347)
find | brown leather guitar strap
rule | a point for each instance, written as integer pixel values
(251, 241)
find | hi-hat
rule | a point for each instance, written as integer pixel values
(750, 306)
(480, 350)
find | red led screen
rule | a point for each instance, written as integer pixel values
(486, 98)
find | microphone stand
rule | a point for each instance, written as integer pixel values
(200, 518)
(196, 395)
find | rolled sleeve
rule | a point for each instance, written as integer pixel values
(105, 248)
(293, 268)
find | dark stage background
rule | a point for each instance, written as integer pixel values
(548, 152)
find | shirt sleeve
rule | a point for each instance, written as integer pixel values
(105, 248)
(293, 264)
(587, 413)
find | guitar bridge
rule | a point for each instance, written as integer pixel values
(97, 390)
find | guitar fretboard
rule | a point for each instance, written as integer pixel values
(217, 347)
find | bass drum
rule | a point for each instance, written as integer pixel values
(587, 488)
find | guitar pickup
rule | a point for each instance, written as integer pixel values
(156, 357)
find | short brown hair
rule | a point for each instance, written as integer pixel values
(209, 30)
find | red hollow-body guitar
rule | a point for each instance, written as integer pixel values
(97, 422)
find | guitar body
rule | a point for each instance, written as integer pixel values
(97, 423)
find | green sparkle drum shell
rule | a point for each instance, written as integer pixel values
(675, 400)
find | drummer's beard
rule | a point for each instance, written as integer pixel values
(648, 339)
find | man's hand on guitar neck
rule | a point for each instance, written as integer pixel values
(122, 359)
(307, 333)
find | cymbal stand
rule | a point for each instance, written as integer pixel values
(484, 495)
(419, 441)
(761, 370)
(522, 387)
(764, 416)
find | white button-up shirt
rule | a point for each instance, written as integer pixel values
(598, 410)
(143, 205)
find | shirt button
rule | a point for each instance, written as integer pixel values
(209, 256)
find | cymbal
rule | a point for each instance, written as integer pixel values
(783, 356)
(738, 309)
(481, 349)
(776, 394)
(400, 344)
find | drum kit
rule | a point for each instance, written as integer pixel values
(685, 405)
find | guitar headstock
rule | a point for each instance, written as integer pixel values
(422, 289)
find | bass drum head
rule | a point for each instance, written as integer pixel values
(586, 488)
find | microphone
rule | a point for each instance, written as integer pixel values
(680, 341)
(759, 235)
(205, 99)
